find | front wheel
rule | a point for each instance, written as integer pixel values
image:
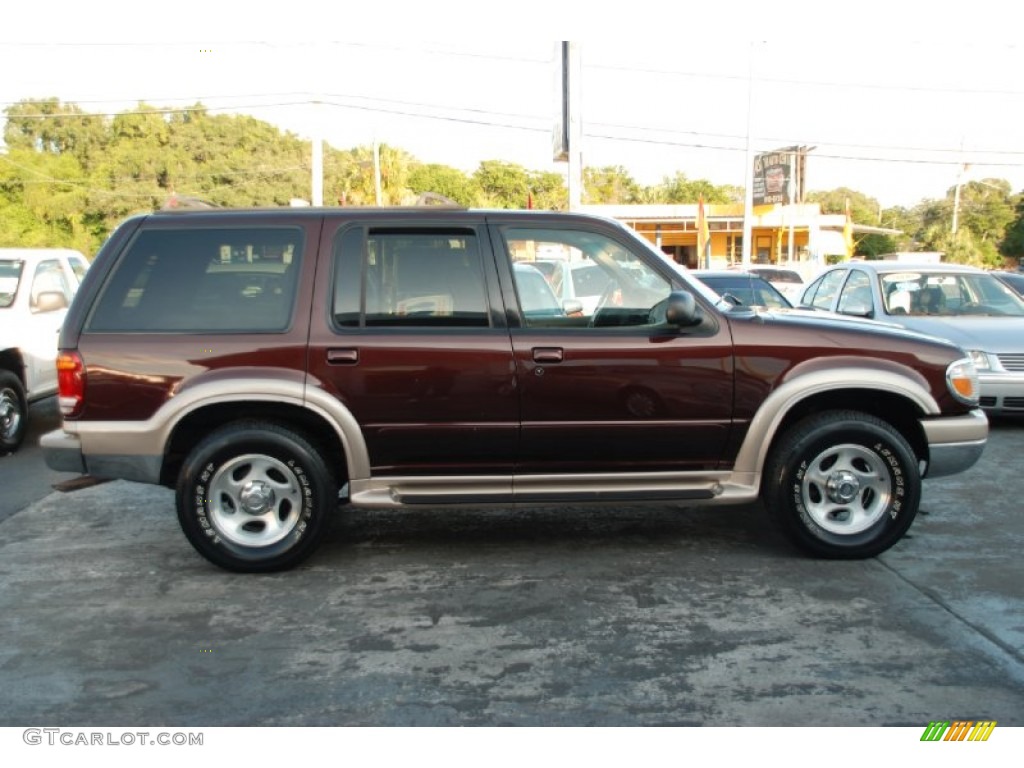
(254, 497)
(13, 412)
(843, 484)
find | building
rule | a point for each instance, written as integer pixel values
(797, 235)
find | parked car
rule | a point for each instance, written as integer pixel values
(967, 306)
(745, 288)
(1014, 280)
(787, 281)
(393, 358)
(536, 297)
(36, 286)
(578, 281)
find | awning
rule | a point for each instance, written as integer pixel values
(827, 242)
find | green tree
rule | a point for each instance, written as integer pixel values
(548, 191)
(1013, 244)
(863, 210)
(51, 127)
(42, 200)
(502, 185)
(985, 217)
(444, 180)
(679, 189)
(611, 185)
(351, 175)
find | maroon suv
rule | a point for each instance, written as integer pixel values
(271, 363)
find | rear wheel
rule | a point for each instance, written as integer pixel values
(843, 484)
(13, 412)
(254, 496)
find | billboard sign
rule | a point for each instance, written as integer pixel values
(773, 175)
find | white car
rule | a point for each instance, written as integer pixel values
(580, 281)
(36, 287)
(787, 281)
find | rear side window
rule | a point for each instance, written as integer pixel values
(204, 280)
(409, 278)
(824, 293)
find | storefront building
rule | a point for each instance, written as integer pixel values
(797, 235)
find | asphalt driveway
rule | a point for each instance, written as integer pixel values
(637, 616)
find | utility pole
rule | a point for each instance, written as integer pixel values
(748, 195)
(377, 191)
(959, 183)
(568, 133)
(317, 180)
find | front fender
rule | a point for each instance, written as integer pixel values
(763, 427)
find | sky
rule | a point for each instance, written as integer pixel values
(895, 98)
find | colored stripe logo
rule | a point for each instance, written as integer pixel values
(958, 730)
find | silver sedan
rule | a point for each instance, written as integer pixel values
(965, 305)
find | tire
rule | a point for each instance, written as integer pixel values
(843, 485)
(254, 497)
(13, 412)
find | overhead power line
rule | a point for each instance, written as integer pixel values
(510, 120)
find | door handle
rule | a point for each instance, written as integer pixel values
(547, 354)
(342, 356)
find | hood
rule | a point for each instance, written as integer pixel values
(988, 334)
(812, 318)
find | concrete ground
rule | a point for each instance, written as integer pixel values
(636, 616)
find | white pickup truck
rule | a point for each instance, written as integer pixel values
(36, 286)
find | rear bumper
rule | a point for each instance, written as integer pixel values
(955, 443)
(62, 451)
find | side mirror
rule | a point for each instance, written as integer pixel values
(682, 309)
(572, 307)
(49, 301)
(858, 309)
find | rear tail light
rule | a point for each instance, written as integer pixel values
(70, 383)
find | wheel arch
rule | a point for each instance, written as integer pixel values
(324, 420)
(896, 399)
(11, 360)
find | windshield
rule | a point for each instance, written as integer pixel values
(10, 277)
(946, 294)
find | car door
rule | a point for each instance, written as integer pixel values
(43, 321)
(408, 336)
(619, 390)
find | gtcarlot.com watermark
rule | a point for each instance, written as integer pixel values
(54, 737)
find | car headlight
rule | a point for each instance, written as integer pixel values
(980, 359)
(962, 380)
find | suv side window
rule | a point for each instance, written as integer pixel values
(409, 278)
(203, 280)
(598, 281)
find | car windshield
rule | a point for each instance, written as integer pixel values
(10, 277)
(946, 294)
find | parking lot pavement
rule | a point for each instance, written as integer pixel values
(640, 616)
